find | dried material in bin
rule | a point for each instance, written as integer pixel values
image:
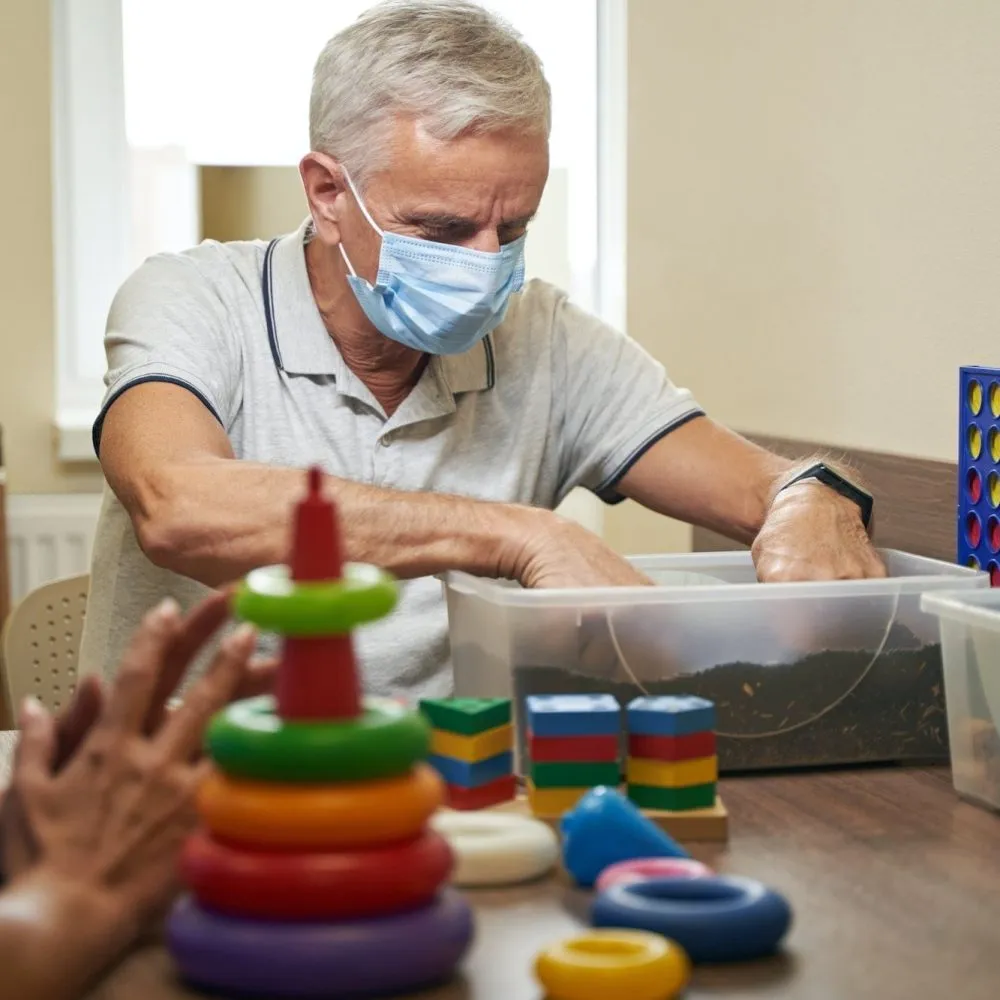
(774, 716)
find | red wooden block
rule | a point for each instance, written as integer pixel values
(572, 749)
(672, 747)
(501, 790)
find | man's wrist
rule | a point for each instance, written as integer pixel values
(514, 533)
(844, 485)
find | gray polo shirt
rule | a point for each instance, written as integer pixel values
(551, 400)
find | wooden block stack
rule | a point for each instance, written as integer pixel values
(672, 762)
(573, 746)
(472, 748)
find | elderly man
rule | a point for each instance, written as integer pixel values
(391, 340)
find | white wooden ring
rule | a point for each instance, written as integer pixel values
(494, 849)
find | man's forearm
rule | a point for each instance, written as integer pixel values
(215, 519)
(705, 474)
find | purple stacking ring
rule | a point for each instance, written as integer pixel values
(363, 958)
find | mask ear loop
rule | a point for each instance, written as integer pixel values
(774, 732)
(364, 212)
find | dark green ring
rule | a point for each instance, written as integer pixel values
(249, 740)
(271, 600)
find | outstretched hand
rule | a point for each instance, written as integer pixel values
(101, 801)
(181, 641)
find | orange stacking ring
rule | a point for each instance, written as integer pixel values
(320, 817)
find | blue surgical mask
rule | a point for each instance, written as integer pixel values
(434, 297)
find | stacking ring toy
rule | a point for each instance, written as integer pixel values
(643, 869)
(270, 599)
(719, 918)
(605, 964)
(395, 955)
(497, 848)
(335, 885)
(249, 739)
(320, 817)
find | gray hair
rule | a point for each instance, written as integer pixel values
(456, 67)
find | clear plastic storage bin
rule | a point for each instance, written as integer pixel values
(801, 673)
(970, 643)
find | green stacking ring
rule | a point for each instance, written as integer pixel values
(272, 601)
(249, 740)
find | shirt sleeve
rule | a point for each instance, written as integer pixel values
(169, 323)
(615, 401)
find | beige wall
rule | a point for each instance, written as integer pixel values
(27, 309)
(245, 203)
(814, 212)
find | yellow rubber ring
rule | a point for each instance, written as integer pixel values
(614, 963)
(320, 817)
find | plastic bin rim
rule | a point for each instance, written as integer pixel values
(959, 578)
(954, 605)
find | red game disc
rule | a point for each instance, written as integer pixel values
(334, 885)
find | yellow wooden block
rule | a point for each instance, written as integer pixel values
(673, 773)
(553, 801)
(472, 748)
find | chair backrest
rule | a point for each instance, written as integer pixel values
(41, 643)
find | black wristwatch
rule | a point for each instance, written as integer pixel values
(843, 486)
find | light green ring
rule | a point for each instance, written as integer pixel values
(271, 600)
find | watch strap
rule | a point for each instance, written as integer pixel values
(839, 484)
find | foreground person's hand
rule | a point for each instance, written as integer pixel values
(108, 825)
(187, 637)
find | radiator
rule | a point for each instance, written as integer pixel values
(49, 536)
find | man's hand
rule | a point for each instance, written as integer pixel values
(813, 533)
(562, 553)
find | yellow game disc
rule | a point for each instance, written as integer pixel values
(974, 439)
(993, 489)
(976, 397)
(995, 399)
(599, 965)
(322, 816)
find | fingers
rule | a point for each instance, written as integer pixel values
(258, 678)
(182, 733)
(195, 630)
(36, 748)
(140, 669)
(76, 721)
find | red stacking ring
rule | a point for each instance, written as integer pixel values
(329, 885)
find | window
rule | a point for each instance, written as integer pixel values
(149, 91)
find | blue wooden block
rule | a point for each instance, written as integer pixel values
(467, 775)
(573, 715)
(670, 715)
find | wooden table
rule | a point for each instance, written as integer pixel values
(894, 881)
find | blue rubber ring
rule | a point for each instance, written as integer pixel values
(719, 918)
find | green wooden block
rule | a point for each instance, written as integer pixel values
(466, 716)
(576, 775)
(673, 799)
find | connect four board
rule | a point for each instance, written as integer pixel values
(979, 470)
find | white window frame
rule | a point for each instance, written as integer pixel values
(90, 175)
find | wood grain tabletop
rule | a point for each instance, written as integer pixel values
(894, 881)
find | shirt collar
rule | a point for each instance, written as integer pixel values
(300, 343)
